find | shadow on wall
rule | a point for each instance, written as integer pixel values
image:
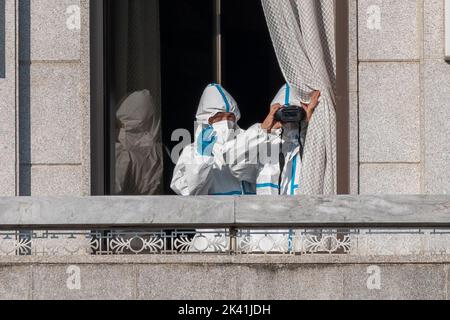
(2, 40)
(24, 98)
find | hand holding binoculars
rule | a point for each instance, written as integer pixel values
(290, 114)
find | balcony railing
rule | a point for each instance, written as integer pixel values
(352, 225)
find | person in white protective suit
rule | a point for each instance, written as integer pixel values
(277, 148)
(196, 172)
(139, 158)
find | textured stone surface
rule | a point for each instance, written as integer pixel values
(2, 40)
(51, 37)
(398, 243)
(390, 179)
(54, 180)
(398, 35)
(15, 282)
(8, 162)
(401, 282)
(117, 210)
(447, 30)
(197, 282)
(353, 97)
(389, 112)
(97, 282)
(399, 140)
(284, 282)
(244, 260)
(54, 97)
(433, 29)
(437, 126)
(55, 115)
(353, 45)
(224, 211)
(224, 277)
(319, 211)
(85, 97)
(243, 282)
(8, 105)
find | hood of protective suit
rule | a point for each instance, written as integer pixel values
(288, 96)
(216, 99)
(138, 112)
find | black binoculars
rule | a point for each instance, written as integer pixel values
(289, 114)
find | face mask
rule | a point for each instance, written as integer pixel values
(224, 131)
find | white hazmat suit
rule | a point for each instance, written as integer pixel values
(256, 157)
(272, 176)
(197, 172)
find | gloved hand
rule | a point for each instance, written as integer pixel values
(206, 141)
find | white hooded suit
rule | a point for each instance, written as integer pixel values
(270, 178)
(199, 174)
(139, 158)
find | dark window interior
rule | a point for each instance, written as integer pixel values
(187, 67)
(250, 68)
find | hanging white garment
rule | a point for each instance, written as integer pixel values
(139, 159)
(303, 36)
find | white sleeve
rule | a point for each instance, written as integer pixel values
(192, 173)
(242, 154)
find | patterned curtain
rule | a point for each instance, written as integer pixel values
(303, 35)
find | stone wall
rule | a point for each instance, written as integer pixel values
(403, 97)
(45, 127)
(224, 277)
(8, 82)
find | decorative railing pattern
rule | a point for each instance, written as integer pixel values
(362, 226)
(238, 242)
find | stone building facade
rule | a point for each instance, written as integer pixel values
(402, 92)
(399, 98)
(45, 127)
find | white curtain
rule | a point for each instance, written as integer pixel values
(303, 34)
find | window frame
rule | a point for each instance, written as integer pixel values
(99, 74)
